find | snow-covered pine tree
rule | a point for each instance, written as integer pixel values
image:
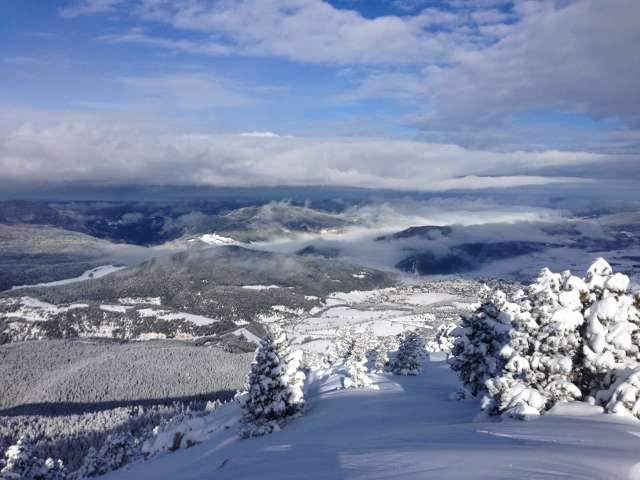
(625, 393)
(90, 465)
(340, 348)
(274, 387)
(556, 305)
(382, 359)
(565, 339)
(543, 342)
(509, 390)
(610, 322)
(479, 340)
(542, 356)
(443, 338)
(348, 341)
(118, 450)
(623, 397)
(509, 395)
(381, 356)
(356, 367)
(22, 462)
(408, 360)
(634, 317)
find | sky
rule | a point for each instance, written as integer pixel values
(400, 94)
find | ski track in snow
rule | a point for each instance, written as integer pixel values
(408, 429)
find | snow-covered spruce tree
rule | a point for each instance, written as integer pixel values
(478, 342)
(350, 351)
(543, 356)
(347, 340)
(510, 390)
(381, 358)
(625, 393)
(623, 397)
(543, 342)
(556, 305)
(21, 462)
(443, 339)
(567, 339)
(408, 361)
(118, 450)
(340, 348)
(356, 367)
(611, 320)
(634, 317)
(90, 465)
(274, 391)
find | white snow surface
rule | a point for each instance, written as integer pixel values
(88, 275)
(114, 308)
(166, 315)
(260, 287)
(406, 429)
(140, 300)
(215, 239)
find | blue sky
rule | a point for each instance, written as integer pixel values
(518, 86)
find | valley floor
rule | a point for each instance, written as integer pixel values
(406, 429)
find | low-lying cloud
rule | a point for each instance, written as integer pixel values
(550, 236)
(94, 150)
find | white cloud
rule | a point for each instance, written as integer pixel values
(188, 90)
(259, 134)
(566, 57)
(397, 85)
(90, 7)
(574, 58)
(300, 30)
(484, 60)
(94, 149)
(138, 36)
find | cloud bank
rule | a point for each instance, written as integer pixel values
(91, 149)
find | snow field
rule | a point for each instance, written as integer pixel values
(88, 275)
(114, 308)
(166, 315)
(140, 300)
(260, 287)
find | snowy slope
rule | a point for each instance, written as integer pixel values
(408, 429)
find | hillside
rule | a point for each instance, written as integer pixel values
(200, 292)
(94, 375)
(31, 254)
(273, 220)
(407, 429)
